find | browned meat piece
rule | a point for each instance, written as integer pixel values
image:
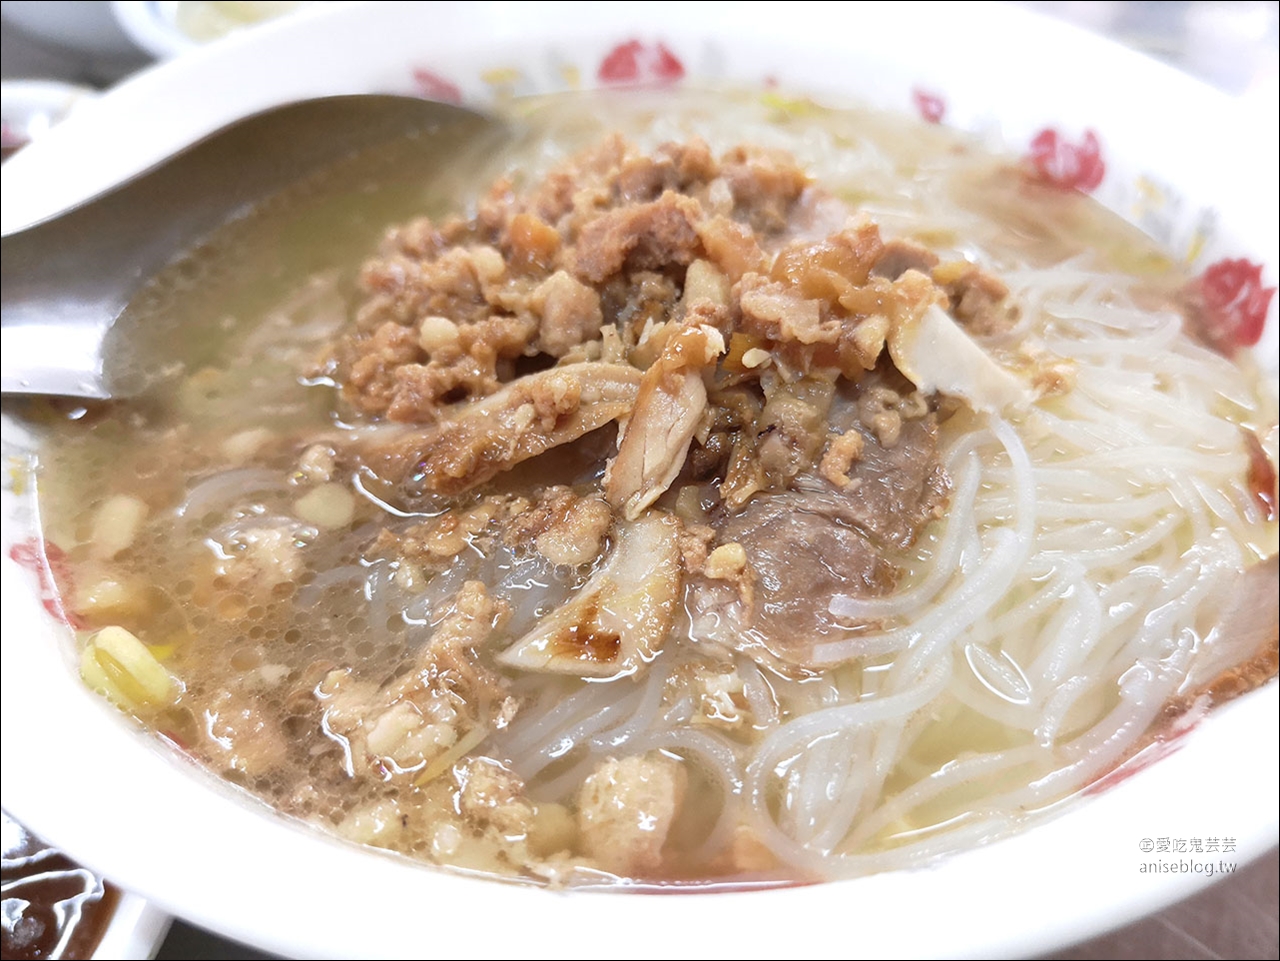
(791, 428)
(776, 311)
(883, 410)
(640, 237)
(493, 339)
(695, 545)
(731, 246)
(553, 199)
(801, 554)
(638, 302)
(491, 795)
(901, 255)
(626, 809)
(862, 344)
(564, 527)
(240, 734)
(775, 442)
(421, 390)
(570, 313)
(527, 417)
(805, 545)
(672, 166)
(644, 179)
(978, 299)
(408, 373)
(464, 368)
(894, 491)
(454, 644)
(418, 239)
(812, 289)
(842, 451)
(434, 543)
(532, 242)
(370, 375)
(829, 269)
(403, 726)
(406, 290)
(764, 186)
(743, 477)
(822, 304)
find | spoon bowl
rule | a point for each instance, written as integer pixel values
(68, 280)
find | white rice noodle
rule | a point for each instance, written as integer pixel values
(1056, 586)
(226, 488)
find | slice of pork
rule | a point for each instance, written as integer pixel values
(806, 545)
(528, 417)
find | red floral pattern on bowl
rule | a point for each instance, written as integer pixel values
(931, 106)
(635, 62)
(1068, 165)
(1235, 302)
(433, 86)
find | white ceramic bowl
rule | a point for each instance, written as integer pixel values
(77, 773)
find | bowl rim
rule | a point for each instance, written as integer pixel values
(1085, 860)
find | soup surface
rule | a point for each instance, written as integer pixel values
(713, 488)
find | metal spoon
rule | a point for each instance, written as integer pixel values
(67, 280)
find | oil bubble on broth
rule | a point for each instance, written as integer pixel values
(702, 490)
